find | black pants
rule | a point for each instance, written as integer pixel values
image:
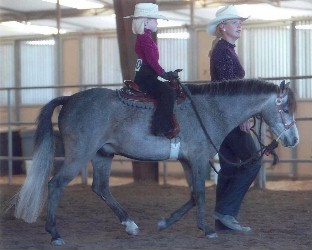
(237, 146)
(147, 80)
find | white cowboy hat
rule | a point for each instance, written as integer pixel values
(148, 10)
(225, 13)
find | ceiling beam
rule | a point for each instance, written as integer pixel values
(51, 14)
(164, 5)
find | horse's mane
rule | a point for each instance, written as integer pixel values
(235, 87)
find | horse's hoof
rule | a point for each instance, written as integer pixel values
(131, 227)
(212, 235)
(162, 224)
(133, 231)
(58, 242)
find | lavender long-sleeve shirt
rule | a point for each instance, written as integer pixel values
(224, 62)
(147, 50)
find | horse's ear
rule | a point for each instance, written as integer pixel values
(287, 85)
(282, 86)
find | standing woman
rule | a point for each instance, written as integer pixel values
(233, 182)
(148, 69)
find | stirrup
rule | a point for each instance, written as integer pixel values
(176, 129)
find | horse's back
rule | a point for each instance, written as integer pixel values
(87, 108)
(92, 96)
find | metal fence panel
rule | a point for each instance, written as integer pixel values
(100, 63)
(173, 50)
(7, 77)
(267, 51)
(304, 57)
(89, 69)
(110, 66)
(37, 60)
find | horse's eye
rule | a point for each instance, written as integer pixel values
(285, 111)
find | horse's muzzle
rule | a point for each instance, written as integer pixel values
(293, 143)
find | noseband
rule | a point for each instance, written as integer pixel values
(280, 109)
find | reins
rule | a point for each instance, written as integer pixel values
(269, 149)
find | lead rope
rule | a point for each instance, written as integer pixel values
(263, 149)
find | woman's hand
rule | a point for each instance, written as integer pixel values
(245, 126)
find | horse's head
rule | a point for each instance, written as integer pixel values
(280, 116)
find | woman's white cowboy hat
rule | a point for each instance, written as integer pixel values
(225, 13)
(148, 10)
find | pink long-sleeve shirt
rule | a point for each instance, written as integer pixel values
(147, 50)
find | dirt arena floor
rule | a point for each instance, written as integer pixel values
(280, 216)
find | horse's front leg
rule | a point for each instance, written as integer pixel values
(100, 185)
(199, 195)
(179, 213)
(176, 215)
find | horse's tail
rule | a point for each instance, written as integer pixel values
(30, 200)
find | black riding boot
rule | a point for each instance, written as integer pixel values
(163, 117)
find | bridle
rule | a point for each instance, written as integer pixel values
(279, 102)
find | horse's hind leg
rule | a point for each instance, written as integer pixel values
(55, 188)
(101, 173)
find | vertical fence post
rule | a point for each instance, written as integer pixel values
(10, 139)
(165, 172)
(294, 63)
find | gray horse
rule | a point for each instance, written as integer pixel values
(98, 123)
